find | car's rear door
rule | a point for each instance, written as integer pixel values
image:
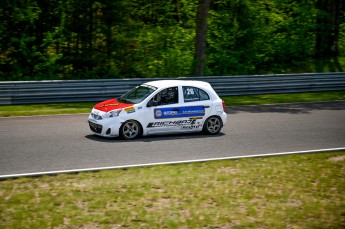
(199, 102)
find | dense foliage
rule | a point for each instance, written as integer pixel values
(83, 39)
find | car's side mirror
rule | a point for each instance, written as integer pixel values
(152, 103)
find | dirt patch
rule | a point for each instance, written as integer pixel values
(337, 159)
(228, 170)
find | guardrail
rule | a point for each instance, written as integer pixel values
(56, 91)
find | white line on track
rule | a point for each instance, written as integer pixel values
(164, 163)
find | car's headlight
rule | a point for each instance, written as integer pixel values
(112, 114)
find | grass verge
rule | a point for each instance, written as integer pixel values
(45, 109)
(284, 98)
(72, 108)
(295, 191)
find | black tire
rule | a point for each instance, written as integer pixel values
(130, 129)
(212, 125)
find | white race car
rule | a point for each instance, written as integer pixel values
(160, 107)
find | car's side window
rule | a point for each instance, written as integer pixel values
(167, 96)
(191, 94)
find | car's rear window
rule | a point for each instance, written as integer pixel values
(192, 94)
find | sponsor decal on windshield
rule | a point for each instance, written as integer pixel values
(149, 86)
(179, 112)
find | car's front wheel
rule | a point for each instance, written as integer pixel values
(213, 125)
(130, 130)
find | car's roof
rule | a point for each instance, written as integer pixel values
(164, 83)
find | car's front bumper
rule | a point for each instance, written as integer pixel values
(108, 127)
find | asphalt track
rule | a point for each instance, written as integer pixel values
(62, 143)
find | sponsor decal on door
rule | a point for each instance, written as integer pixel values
(179, 112)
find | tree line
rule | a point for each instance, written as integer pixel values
(90, 39)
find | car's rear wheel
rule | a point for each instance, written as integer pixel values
(213, 125)
(130, 130)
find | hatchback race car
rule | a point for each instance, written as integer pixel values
(160, 107)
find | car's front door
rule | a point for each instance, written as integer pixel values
(162, 112)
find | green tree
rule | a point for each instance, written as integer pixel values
(200, 37)
(27, 34)
(253, 37)
(85, 39)
(330, 13)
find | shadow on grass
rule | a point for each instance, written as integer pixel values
(297, 108)
(154, 138)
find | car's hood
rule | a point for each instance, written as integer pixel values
(111, 104)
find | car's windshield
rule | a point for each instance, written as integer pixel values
(137, 94)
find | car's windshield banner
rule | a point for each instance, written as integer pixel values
(179, 112)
